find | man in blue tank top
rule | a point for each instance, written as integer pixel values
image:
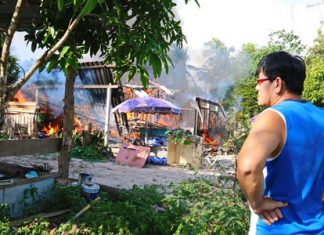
(281, 164)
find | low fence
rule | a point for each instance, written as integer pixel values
(29, 146)
(20, 119)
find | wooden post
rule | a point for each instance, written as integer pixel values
(107, 118)
(108, 111)
(36, 97)
(35, 128)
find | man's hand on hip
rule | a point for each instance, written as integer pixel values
(268, 210)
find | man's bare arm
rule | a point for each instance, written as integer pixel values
(264, 141)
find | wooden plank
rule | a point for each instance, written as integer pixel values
(19, 104)
(114, 193)
(29, 146)
(42, 215)
(96, 86)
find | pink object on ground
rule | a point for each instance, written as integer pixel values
(132, 155)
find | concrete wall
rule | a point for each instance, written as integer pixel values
(29, 146)
(18, 193)
(185, 154)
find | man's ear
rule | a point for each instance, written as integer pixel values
(279, 85)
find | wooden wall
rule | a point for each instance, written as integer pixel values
(20, 119)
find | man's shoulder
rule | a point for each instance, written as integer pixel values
(268, 114)
(269, 118)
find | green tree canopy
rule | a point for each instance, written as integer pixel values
(129, 34)
(13, 67)
(279, 40)
(286, 41)
(314, 83)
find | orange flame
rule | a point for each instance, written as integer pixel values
(208, 140)
(168, 120)
(50, 130)
(77, 125)
(113, 133)
(19, 97)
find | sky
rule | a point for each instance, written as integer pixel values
(234, 22)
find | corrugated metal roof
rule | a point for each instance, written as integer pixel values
(98, 73)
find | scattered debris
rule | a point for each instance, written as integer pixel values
(42, 167)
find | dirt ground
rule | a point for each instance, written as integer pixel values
(118, 176)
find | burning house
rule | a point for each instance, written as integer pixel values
(201, 117)
(37, 109)
(210, 121)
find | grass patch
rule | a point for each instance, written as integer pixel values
(195, 207)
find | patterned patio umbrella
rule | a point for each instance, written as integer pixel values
(147, 105)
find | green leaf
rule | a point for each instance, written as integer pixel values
(89, 6)
(156, 65)
(60, 5)
(166, 65)
(131, 73)
(144, 75)
(76, 3)
(44, 41)
(71, 62)
(64, 50)
(54, 62)
(51, 31)
(33, 46)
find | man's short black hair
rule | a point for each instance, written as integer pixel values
(291, 69)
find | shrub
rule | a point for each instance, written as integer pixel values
(195, 207)
(4, 211)
(92, 149)
(207, 209)
(180, 136)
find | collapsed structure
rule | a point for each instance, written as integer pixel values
(34, 113)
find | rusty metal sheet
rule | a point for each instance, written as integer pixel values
(132, 155)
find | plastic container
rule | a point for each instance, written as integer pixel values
(31, 174)
(84, 178)
(156, 160)
(90, 191)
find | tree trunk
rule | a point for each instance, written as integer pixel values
(5, 57)
(2, 103)
(64, 158)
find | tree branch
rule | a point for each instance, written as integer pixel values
(7, 42)
(44, 57)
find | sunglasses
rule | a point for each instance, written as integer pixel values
(260, 81)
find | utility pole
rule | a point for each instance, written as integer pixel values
(315, 5)
(292, 18)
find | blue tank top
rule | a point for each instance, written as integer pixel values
(296, 175)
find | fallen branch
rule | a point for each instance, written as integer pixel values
(42, 215)
(87, 207)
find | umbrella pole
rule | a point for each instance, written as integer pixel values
(146, 130)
